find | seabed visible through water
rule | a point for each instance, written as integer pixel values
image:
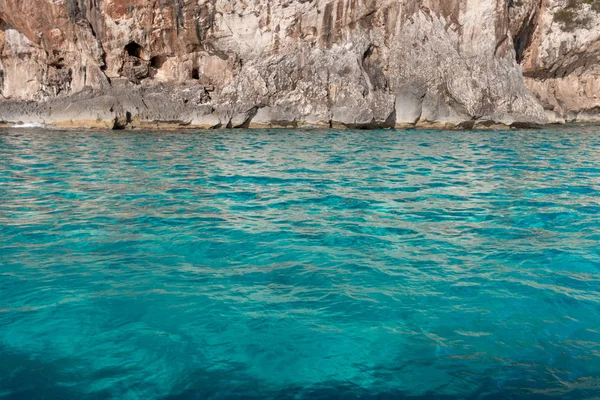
(295, 264)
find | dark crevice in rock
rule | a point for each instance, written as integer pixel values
(466, 125)
(122, 121)
(327, 26)
(2, 83)
(118, 124)
(390, 122)
(205, 20)
(371, 66)
(179, 14)
(524, 35)
(74, 10)
(135, 68)
(500, 46)
(250, 114)
(86, 23)
(157, 62)
(525, 125)
(418, 119)
(133, 49)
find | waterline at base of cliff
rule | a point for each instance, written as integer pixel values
(164, 107)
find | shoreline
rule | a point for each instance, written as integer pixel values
(167, 108)
(173, 126)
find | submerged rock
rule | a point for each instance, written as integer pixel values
(265, 63)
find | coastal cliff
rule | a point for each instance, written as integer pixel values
(284, 63)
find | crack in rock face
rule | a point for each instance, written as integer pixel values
(330, 63)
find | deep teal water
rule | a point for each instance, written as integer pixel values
(293, 264)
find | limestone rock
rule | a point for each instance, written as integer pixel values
(270, 63)
(560, 53)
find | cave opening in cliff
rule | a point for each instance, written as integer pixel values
(157, 61)
(195, 73)
(134, 50)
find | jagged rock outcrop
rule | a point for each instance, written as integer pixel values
(260, 63)
(560, 54)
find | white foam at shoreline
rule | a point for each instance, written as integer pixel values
(21, 126)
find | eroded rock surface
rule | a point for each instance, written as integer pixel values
(560, 59)
(261, 63)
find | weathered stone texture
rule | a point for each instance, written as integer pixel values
(244, 63)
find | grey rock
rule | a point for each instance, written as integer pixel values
(287, 63)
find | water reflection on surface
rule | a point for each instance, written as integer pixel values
(306, 264)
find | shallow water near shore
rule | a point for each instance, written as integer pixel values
(300, 264)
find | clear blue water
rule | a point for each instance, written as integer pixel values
(296, 264)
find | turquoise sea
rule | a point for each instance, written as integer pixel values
(300, 264)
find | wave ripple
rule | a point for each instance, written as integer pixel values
(279, 264)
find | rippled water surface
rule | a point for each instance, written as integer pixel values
(299, 264)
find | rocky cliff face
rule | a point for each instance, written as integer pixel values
(560, 52)
(245, 63)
